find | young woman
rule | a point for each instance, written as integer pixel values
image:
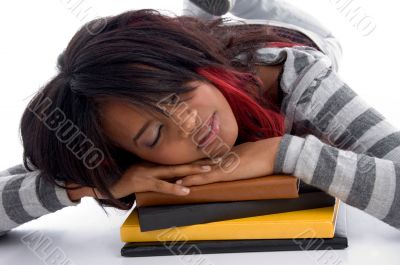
(143, 101)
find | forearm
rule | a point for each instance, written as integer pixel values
(365, 182)
(26, 196)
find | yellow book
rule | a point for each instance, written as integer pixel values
(312, 223)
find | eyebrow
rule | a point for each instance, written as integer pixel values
(141, 131)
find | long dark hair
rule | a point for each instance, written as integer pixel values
(139, 56)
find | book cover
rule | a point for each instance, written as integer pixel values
(262, 188)
(311, 223)
(159, 217)
(167, 248)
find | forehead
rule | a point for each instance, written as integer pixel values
(121, 120)
(116, 110)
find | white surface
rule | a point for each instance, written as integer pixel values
(85, 235)
(35, 32)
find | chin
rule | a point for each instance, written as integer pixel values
(227, 138)
(232, 137)
(230, 133)
(228, 129)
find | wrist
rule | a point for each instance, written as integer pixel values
(274, 149)
(267, 153)
(288, 153)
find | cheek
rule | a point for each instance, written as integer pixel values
(173, 153)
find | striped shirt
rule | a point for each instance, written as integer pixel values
(333, 140)
(25, 196)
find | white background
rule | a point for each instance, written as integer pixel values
(33, 33)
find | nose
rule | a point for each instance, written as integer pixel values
(189, 123)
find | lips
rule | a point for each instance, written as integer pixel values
(213, 123)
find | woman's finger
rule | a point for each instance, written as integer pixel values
(167, 172)
(168, 188)
(195, 180)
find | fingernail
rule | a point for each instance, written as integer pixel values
(218, 159)
(205, 168)
(179, 181)
(185, 190)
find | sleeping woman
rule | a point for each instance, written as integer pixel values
(143, 101)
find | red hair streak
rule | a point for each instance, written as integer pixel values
(281, 44)
(254, 121)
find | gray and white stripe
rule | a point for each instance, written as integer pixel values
(25, 196)
(348, 149)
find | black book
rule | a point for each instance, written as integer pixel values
(146, 249)
(166, 216)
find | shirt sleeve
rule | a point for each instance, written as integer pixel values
(25, 196)
(316, 101)
(330, 110)
(335, 141)
(368, 183)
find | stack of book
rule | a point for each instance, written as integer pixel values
(271, 213)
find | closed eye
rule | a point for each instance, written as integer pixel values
(158, 136)
(162, 125)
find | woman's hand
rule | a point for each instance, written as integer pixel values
(148, 176)
(253, 159)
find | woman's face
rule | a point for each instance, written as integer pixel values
(181, 130)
